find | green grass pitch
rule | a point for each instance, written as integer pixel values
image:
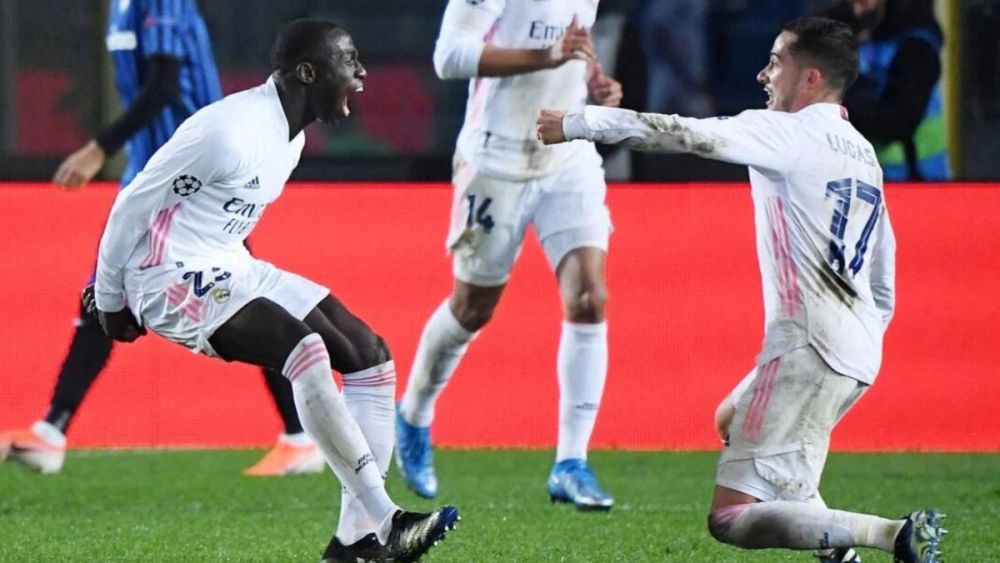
(196, 506)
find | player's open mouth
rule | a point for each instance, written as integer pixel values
(345, 106)
(770, 97)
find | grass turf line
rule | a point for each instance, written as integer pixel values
(196, 506)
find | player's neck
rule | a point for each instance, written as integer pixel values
(824, 98)
(293, 103)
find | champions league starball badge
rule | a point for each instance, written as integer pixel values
(185, 185)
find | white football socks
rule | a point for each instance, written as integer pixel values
(370, 395)
(582, 366)
(442, 345)
(325, 416)
(800, 525)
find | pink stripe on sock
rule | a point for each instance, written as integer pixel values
(361, 380)
(375, 383)
(315, 359)
(301, 354)
(728, 514)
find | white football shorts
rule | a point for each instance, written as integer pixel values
(780, 435)
(186, 302)
(490, 215)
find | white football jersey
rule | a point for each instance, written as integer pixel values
(824, 241)
(498, 135)
(201, 194)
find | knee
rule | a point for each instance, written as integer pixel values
(586, 305)
(374, 352)
(721, 522)
(718, 526)
(472, 315)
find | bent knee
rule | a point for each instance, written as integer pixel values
(374, 352)
(720, 522)
(473, 316)
(586, 306)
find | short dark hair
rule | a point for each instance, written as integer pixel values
(301, 40)
(830, 45)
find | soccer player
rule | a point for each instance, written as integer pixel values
(520, 57)
(826, 251)
(172, 260)
(165, 71)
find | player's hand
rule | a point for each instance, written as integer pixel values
(120, 325)
(549, 126)
(88, 299)
(80, 167)
(575, 44)
(601, 88)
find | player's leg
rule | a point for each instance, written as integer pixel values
(443, 343)
(254, 313)
(767, 477)
(369, 390)
(574, 228)
(43, 446)
(264, 334)
(581, 366)
(487, 227)
(294, 453)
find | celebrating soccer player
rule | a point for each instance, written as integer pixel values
(164, 71)
(826, 252)
(172, 260)
(520, 57)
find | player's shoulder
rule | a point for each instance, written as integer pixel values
(766, 118)
(238, 118)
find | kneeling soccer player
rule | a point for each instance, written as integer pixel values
(826, 252)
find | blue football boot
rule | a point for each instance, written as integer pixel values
(919, 540)
(414, 458)
(571, 480)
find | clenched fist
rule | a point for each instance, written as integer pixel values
(549, 126)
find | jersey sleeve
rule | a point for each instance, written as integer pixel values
(883, 273)
(161, 26)
(758, 138)
(462, 38)
(176, 173)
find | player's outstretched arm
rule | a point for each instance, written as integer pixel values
(161, 88)
(758, 138)
(462, 53)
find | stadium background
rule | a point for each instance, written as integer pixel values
(685, 309)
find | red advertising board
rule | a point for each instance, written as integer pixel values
(685, 319)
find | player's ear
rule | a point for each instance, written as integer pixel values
(815, 78)
(306, 73)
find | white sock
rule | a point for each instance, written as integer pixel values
(582, 366)
(442, 345)
(370, 395)
(800, 525)
(325, 416)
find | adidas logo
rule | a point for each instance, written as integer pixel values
(253, 184)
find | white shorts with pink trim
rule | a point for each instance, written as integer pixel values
(187, 302)
(780, 435)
